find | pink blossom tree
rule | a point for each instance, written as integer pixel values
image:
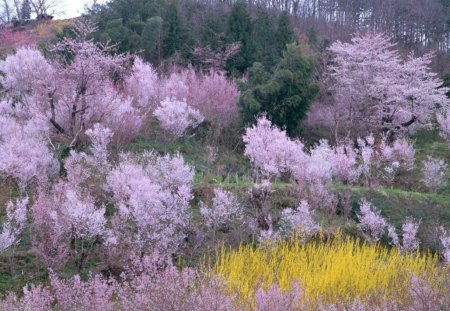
(380, 162)
(444, 239)
(49, 238)
(86, 76)
(35, 297)
(214, 95)
(434, 173)
(177, 116)
(259, 195)
(271, 151)
(100, 138)
(23, 147)
(23, 71)
(410, 243)
(276, 299)
(371, 222)
(94, 294)
(14, 223)
(152, 198)
(224, 209)
(63, 220)
(443, 119)
(376, 90)
(67, 215)
(299, 221)
(76, 88)
(143, 84)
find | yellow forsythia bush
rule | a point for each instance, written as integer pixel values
(340, 270)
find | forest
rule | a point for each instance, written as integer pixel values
(200, 155)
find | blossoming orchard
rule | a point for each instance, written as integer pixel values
(198, 155)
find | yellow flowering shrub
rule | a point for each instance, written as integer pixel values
(338, 270)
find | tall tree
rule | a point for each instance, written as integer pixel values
(375, 89)
(44, 7)
(264, 39)
(152, 39)
(25, 11)
(240, 30)
(285, 95)
(6, 11)
(173, 37)
(284, 33)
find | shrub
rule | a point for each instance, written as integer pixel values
(371, 271)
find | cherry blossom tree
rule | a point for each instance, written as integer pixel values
(100, 138)
(63, 219)
(74, 294)
(298, 221)
(35, 297)
(376, 90)
(143, 84)
(225, 208)
(49, 239)
(67, 215)
(23, 71)
(410, 243)
(270, 150)
(371, 222)
(23, 147)
(176, 116)
(212, 93)
(14, 224)
(444, 124)
(152, 198)
(75, 89)
(380, 161)
(259, 195)
(444, 239)
(434, 173)
(392, 234)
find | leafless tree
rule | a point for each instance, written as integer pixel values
(44, 7)
(6, 12)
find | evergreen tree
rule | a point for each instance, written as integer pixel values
(115, 31)
(211, 32)
(240, 30)
(25, 10)
(285, 94)
(284, 33)
(173, 36)
(152, 36)
(264, 39)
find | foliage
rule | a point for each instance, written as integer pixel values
(284, 33)
(240, 30)
(286, 93)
